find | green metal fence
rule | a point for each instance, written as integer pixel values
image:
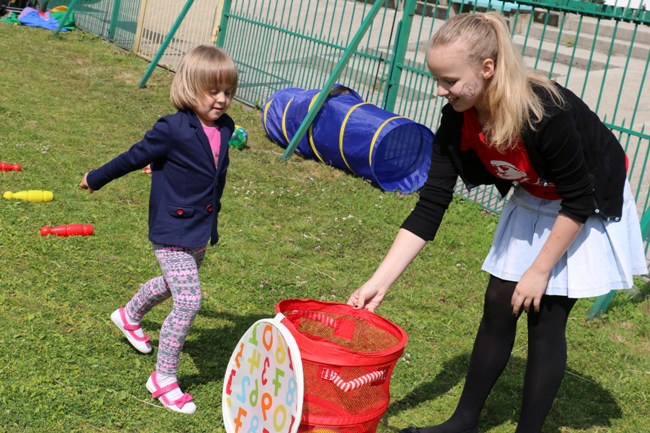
(600, 52)
(297, 43)
(182, 24)
(114, 20)
(142, 26)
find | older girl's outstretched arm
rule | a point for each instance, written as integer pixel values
(404, 249)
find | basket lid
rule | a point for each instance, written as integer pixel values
(338, 334)
(264, 385)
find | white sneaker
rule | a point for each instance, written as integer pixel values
(182, 404)
(140, 342)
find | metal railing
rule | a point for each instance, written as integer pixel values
(600, 51)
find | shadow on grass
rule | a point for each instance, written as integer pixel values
(581, 402)
(212, 349)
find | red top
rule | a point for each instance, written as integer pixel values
(514, 165)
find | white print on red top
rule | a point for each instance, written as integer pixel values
(507, 171)
(514, 165)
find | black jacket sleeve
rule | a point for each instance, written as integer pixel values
(436, 193)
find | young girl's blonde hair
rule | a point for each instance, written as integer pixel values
(509, 96)
(202, 69)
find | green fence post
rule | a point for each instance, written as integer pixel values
(163, 47)
(399, 54)
(114, 19)
(338, 69)
(600, 304)
(223, 23)
(68, 12)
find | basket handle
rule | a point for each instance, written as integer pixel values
(319, 317)
(351, 385)
(343, 328)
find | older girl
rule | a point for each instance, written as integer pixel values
(570, 229)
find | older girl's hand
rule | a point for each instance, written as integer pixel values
(529, 291)
(367, 296)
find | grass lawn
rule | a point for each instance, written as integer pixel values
(289, 229)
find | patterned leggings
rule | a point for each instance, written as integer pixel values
(179, 280)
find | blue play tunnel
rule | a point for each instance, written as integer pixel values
(391, 151)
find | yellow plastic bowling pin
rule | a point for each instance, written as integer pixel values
(31, 195)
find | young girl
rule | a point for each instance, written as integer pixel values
(188, 152)
(570, 230)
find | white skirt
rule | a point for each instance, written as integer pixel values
(604, 256)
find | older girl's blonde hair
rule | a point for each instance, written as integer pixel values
(202, 69)
(509, 96)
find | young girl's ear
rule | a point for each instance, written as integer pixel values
(487, 69)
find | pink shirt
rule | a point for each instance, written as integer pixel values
(214, 137)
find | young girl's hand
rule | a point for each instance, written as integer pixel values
(84, 184)
(529, 291)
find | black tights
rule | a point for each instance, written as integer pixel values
(547, 355)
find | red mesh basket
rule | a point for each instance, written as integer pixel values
(348, 357)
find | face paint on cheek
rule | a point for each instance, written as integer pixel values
(469, 90)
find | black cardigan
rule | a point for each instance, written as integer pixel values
(570, 147)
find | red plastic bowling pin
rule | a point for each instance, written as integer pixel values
(5, 166)
(69, 230)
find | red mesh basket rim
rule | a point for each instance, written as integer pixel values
(325, 352)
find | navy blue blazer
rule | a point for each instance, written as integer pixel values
(186, 187)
